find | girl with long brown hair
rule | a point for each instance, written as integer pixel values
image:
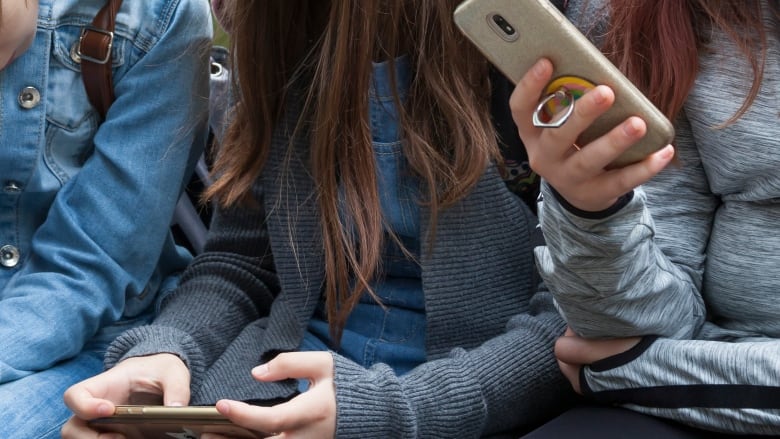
(365, 251)
(680, 262)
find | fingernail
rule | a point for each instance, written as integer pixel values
(632, 127)
(540, 68)
(223, 406)
(175, 404)
(599, 96)
(260, 370)
(667, 152)
(104, 409)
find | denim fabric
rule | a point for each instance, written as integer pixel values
(86, 207)
(392, 333)
(397, 189)
(42, 417)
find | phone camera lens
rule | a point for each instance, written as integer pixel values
(503, 24)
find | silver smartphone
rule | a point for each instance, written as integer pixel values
(514, 34)
(160, 422)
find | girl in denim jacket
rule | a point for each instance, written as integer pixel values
(85, 205)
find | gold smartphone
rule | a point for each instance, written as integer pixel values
(514, 34)
(160, 422)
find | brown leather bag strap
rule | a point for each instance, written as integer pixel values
(95, 51)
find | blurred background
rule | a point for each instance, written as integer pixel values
(220, 37)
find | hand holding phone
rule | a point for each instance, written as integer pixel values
(514, 34)
(578, 174)
(153, 379)
(614, 141)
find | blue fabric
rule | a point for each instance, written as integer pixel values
(44, 412)
(87, 206)
(397, 189)
(392, 333)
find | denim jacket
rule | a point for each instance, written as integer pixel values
(85, 207)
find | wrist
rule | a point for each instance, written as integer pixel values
(593, 210)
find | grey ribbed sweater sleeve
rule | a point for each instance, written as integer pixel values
(224, 289)
(476, 381)
(466, 394)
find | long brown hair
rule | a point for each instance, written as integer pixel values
(445, 120)
(656, 43)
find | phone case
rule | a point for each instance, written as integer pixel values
(514, 34)
(158, 422)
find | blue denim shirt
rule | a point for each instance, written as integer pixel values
(85, 207)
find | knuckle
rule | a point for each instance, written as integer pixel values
(278, 423)
(514, 99)
(323, 359)
(281, 360)
(68, 395)
(520, 117)
(323, 413)
(523, 85)
(244, 417)
(582, 111)
(535, 162)
(616, 143)
(580, 165)
(624, 182)
(65, 431)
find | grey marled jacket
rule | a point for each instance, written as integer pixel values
(693, 257)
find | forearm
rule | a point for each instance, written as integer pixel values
(30, 342)
(610, 278)
(636, 270)
(721, 386)
(224, 289)
(200, 319)
(509, 381)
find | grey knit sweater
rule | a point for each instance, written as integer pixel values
(490, 365)
(694, 254)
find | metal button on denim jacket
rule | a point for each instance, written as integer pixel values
(85, 207)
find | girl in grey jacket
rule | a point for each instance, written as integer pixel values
(688, 255)
(366, 251)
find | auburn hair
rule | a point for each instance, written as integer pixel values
(325, 49)
(657, 43)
